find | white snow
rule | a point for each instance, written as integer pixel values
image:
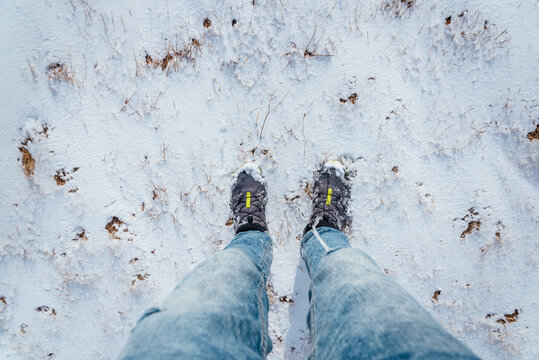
(336, 165)
(430, 113)
(253, 170)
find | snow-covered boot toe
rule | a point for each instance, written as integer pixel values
(331, 197)
(248, 200)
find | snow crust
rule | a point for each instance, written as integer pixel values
(131, 118)
(253, 170)
(337, 166)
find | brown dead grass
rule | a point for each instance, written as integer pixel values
(174, 54)
(398, 8)
(61, 72)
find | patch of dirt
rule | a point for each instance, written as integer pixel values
(234, 22)
(62, 176)
(80, 235)
(230, 222)
(395, 169)
(352, 98)
(435, 295)
(113, 226)
(139, 277)
(286, 299)
(511, 318)
(45, 309)
(534, 135)
(472, 225)
(3, 300)
(506, 319)
(28, 162)
(206, 23)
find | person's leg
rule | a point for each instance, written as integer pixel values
(357, 312)
(218, 311)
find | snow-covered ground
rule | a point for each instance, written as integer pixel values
(123, 123)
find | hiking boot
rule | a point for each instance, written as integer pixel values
(248, 200)
(330, 198)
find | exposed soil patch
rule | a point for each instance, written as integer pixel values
(534, 135)
(286, 299)
(45, 309)
(230, 222)
(113, 227)
(62, 176)
(3, 300)
(506, 319)
(206, 23)
(435, 295)
(511, 318)
(80, 235)
(139, 277)
(28, 162)
(352, 98)
(395, 169)
(472, 225)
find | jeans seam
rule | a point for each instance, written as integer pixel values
(260, 292)
(313, 323)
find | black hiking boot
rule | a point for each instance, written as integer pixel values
(248, 200)
(330, 198)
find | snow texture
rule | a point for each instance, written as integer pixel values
(253, 170)
(337, 166)
(123, 123)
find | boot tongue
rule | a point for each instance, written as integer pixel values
(250, 219)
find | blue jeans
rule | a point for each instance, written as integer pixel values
(220, 310)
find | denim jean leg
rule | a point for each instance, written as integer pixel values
(218, 311)
(357, 312)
